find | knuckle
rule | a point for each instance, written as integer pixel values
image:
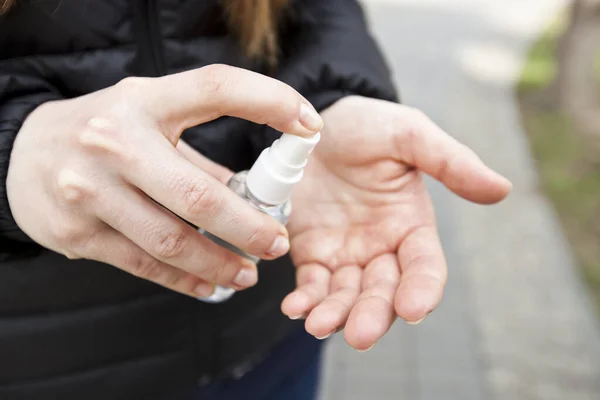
(132, 83)
(407, 134)
(174, 279)
(411, 137)
(213, 77)
(443, 169)
(73, 188)
(409, 119)
(170, 244)
(145, 268)
(224, 268)
(217, 267)
(416, 114)
(288, 110)
(68, 236)
(102, 135)
(280, 104)
(260, 237)
(198, 198)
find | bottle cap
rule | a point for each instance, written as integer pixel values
(279, 167)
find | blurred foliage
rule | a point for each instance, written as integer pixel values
(569, 175)
(540, 68)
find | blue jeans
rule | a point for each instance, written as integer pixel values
(290, 372)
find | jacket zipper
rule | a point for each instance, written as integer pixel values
(155, 38)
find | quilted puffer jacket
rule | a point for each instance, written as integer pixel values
(78, 329)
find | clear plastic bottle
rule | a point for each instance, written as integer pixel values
(280, 212)
(267, 186)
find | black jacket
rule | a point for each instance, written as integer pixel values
(85, 330)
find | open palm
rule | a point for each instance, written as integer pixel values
(363, 231)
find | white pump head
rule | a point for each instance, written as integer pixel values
(279, 167)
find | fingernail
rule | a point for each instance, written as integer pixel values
(246, 277)
(280, 246)
(415, 322)
(326, 336)
(309, 118)
(295, 317)
(204, 289)
(365, 350)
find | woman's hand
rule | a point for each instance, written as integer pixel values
(363, 230)
(99, 177)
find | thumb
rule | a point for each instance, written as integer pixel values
(424, 145)
(190, 98)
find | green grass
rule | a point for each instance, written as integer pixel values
(570, 176)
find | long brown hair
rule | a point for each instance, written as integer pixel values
(5, 5)
(254, 22)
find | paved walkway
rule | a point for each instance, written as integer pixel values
(516, 323)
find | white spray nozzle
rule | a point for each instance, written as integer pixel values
(294, 149)
(279, 167)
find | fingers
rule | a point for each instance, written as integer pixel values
(194, 97)
(424, 274)
(218, 171)
(312, 282)
(200, 199)
(171, 241)
(424, 145)
(332, 312)
(111, 247)
(373, 314)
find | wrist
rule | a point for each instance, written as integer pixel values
(12, 117)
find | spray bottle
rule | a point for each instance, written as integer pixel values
(267, 186)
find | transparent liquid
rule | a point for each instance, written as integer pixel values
(280, 212)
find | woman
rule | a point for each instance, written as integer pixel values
(100, 273)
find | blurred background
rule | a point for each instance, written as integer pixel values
(516, 80)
